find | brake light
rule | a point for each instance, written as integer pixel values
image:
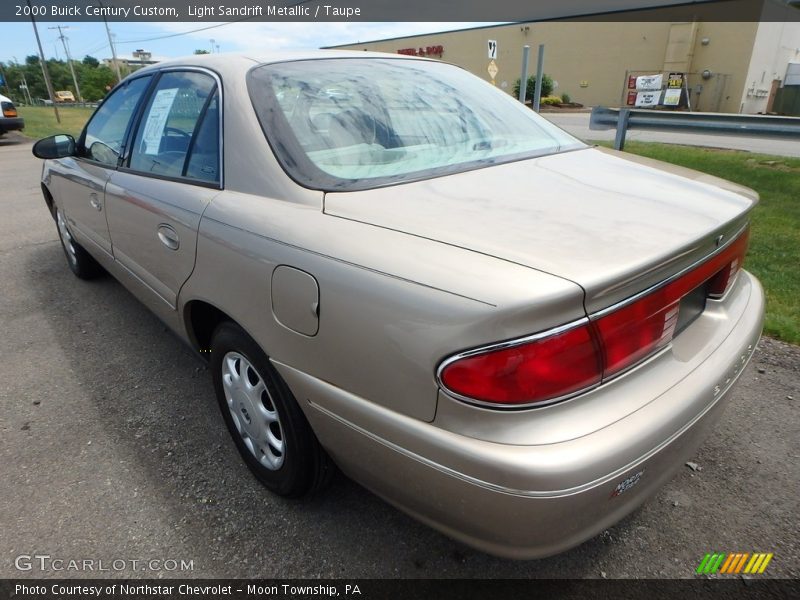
(532, 371)
(571, 359)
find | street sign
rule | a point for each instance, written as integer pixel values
(492, 49)
(493, 70)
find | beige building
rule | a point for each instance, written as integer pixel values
(730, 67)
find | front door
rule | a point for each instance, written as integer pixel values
(79, 182)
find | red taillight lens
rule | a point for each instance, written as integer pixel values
(558, 365)
(636, 330)
(534, 371)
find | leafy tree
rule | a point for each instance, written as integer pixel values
(91, 61)
(530, 88)
(200, 51)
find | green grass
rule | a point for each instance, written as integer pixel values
(40, 121)
(774, 255)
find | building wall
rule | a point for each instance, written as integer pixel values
(590, 60)
(776, 45)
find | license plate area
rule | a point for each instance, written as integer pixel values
(691, 306)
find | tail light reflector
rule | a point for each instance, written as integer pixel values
(571, 359)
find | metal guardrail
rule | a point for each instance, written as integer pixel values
(623, 119)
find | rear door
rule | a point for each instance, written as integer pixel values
(171, 172)
(78, 183)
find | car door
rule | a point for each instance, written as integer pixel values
(171, 172)
(78, 183)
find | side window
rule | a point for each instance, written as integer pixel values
(105, 132)
(178, 135)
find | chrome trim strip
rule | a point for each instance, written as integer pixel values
(562, 328)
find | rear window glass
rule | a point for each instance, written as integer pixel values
(358, 123)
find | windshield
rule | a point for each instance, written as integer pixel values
(357, 123)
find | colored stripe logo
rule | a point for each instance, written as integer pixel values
(733, 563)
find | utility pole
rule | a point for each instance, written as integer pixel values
(45, 70)
(26, 92)
(111, 43)
(63, 39)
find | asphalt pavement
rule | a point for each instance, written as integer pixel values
(112, 449)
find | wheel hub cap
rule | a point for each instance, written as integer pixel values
(252, 410)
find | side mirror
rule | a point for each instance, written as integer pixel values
(55, 146)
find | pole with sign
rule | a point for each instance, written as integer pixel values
(492, 53)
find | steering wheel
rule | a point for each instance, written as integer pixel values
(175, 130)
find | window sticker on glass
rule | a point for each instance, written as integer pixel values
(157, 119)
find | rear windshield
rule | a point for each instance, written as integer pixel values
(358, 123)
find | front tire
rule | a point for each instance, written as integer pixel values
(80, 262)
(266, 423)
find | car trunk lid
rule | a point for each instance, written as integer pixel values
(613, 226)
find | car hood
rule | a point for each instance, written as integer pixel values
(611, 223)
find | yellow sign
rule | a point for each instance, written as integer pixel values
(492, 68)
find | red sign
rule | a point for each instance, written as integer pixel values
(631, 82)
(428, 51)
(631, 98)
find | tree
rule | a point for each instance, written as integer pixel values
(530, 88)
(200, 51)
(91, 61)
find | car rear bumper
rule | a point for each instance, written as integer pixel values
(534, 500)
(11, 124)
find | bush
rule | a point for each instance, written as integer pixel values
(550, 100)
(565, 98)
(530, 88)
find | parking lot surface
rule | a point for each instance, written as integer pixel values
(112, 449)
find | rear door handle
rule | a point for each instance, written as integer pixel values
(168, 236)
(95, 201)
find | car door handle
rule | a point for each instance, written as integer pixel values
(95, 201)
(168, 236)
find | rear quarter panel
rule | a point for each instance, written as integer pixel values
(391, 307)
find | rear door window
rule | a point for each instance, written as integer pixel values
(178, 134)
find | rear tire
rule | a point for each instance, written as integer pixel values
(266, 423)
(80, 262)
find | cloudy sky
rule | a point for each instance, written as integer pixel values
(177, 39)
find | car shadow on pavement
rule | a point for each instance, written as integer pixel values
(13, 138)
(152, 399)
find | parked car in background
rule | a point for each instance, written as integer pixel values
(395, 267)
(9, 119)
(64, 96)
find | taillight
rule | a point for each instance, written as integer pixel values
(9, 110)
(537, 370)
(551, 366)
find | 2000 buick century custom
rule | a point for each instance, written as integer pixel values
(395, 267)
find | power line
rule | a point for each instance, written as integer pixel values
(206, 28)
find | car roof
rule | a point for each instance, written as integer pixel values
(224, 62)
